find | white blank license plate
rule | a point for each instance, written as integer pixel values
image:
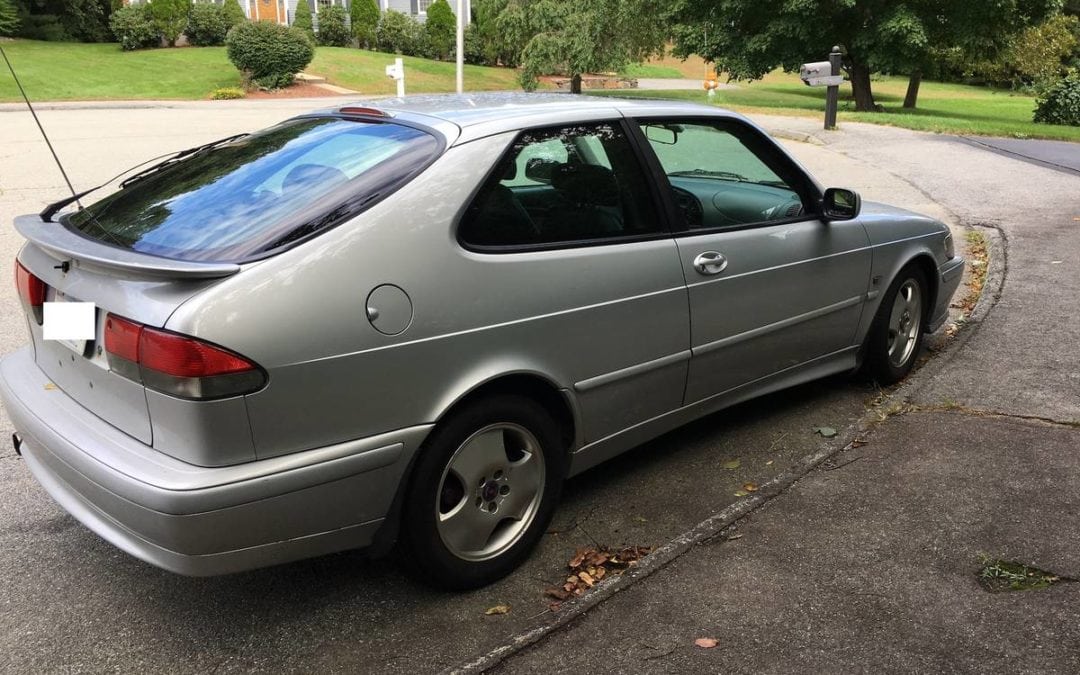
(72, 324)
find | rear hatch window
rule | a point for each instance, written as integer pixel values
(246, 198)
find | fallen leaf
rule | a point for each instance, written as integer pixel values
(555, 606)
(827, 432)
(750, 487)
(733, 464)
(769, 463)
(578, 557)
(741, 493)
(705, 643)
(560, 594)
(600, 572)
(640, 519)
(735, 536)
(587, 579)
(497, 609)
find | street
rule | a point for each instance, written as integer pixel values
(73, 602)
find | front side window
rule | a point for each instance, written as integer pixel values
(721, 175)
(563, 185)
(254, 195)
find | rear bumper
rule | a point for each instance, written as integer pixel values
(197, 520)
(949, 276)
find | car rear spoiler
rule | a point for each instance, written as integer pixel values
(66, 245)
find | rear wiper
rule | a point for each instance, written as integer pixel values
(725, 175)
(50, 210)
(178, 157)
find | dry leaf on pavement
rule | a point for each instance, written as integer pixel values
(733, 464)
(750, 487)
(705, 643)
(497, 609)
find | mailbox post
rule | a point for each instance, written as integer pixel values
(826, 74)
(832, 94)
(397, 72)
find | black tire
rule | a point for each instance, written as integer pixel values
(431, 559)
(883, 360)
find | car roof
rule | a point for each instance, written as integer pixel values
(482, 114)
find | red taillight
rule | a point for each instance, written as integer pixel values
(177, 364)
(182, 356)
(122, 338)
(31, 289)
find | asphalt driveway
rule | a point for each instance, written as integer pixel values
(72, 602)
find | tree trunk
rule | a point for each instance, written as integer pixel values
(575, 84)
(913, 89)
(860, 87)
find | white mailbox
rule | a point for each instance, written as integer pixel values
(396, 72)
(819, 74)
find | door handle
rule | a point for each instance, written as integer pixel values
(710, 262)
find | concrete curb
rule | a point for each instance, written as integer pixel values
(797, 136)
(713, 526)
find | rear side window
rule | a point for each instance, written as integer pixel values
(560, 186)
(262, 192)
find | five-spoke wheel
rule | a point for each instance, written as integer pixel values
(482, 492)
(893, 344)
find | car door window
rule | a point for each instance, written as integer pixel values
(718, 178)
(561, 186)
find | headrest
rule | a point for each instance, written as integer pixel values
(586, 184)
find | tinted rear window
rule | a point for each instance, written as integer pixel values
(262, 192)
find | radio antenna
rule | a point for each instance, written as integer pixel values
(43, 134)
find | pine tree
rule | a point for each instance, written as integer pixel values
(9, 18)
(364, 17)
(234, 14)
(302, 18)
(440, 29)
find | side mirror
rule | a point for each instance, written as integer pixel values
(539, 170)
(840, 204)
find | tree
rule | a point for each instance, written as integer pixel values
(440, 29)
(333, 27)
(749, 38)
(170, 17)
(574, 38)
(302, 19)
(9, 18)
(364, 17)
(234, 14)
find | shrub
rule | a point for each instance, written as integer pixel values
(1060, 104)
(134, 28)
(398, 33)
(334, 27)
(207, 25)
(303, 20)
(269, 54)
(363, 20)
(9, 18)
(170, 18)
(42, 27)
(440, 30)
(474, 46)
(234, 13)
(227, 93)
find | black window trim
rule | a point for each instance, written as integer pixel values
(805, 187)
(655, 197)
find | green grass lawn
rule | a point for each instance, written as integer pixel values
(943, 108)
(60, 71)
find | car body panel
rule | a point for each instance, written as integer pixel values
(626, 333)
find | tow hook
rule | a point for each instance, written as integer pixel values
(17, 442)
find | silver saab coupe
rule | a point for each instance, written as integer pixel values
(411, 323)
